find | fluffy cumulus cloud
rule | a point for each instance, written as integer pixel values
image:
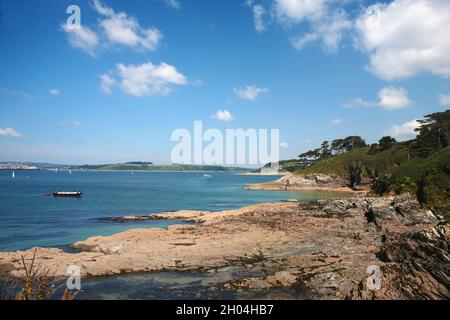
(389, 98)
(250, 92)
(294, 11)
(83, 38)
(149, 79)
(284, 145)
(325, 21)
(406, 37)
(122, 29)
(223, 115)
(402, 38)
(444, 100)
(114, 29)
(9, 132)
(403, 130)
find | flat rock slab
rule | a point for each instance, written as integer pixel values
(323, 249)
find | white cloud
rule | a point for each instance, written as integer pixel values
(405, 37)
(148, 79)
(106, 83)
(359, 102)
(71, 123)
(250, 92)
(54, 92)
(15, 93)
(295, 11)
(176, 4)
(124, 30)
(331, 29)
(336, 122)
(325, 23)
(403, 130)
(223, 115)
(82, 38)
(301, 41)
(258, 17)
(9, 132)
(444, 100)
(284, 145)
(77, 123)
(390, 98)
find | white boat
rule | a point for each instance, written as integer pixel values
(70, 171)
(14, 174)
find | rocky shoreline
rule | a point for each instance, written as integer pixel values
(310, 182)
(322, 250)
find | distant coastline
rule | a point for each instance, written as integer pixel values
(127, 166)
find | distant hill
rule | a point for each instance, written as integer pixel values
(148, 166)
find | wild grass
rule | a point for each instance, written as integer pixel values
(36, 283)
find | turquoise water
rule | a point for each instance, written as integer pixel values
(29, 218)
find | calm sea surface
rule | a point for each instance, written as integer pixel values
(28, 217)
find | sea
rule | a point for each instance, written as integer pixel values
(30, 216)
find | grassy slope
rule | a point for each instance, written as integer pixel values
(385, 162)
(402, 175)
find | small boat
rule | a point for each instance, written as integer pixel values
(70, 171)
(68, 194)
(14, 174)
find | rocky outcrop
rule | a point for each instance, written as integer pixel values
(297, 182)
(353, 248)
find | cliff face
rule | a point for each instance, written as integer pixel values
(353, 248)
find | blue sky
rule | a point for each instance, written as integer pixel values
(138, 70)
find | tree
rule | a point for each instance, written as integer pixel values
(337, 146)
(386, 143)
(354, 142)
(421, 191)
(354, 172)
(433, 134)
(325, 151)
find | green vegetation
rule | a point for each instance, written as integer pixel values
(148, 166)
(420, 166)
(354, 172)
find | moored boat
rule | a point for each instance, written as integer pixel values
(68, 194)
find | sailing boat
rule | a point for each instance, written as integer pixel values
(13, 174)
(70, 171)
(132, 172)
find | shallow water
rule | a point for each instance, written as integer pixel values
(29, 218)
(175, 285)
